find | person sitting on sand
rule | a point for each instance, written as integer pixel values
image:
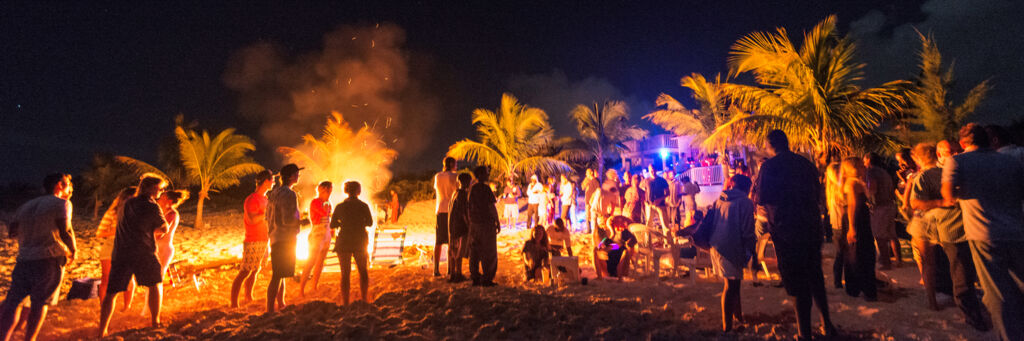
(535, 253)
(612, 254)
(254, 246)
(320, 234)
(559, 239)
(732, 243)
(352, 217)
(458, 229)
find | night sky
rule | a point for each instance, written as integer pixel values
(78, 78)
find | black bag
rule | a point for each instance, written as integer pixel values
(84, 288)
(706, 227)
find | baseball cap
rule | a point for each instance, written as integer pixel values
(288, 170)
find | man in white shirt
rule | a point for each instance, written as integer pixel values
(46, 243)
(567, 194)
(534, 195)
(445, 184)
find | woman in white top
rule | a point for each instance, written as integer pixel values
(169, 202)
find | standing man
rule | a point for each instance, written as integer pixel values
(444, 186)
(510, 199)
(46, 243)
(135, 250)
(567, 193)
(590, 186)
(675, 193)
(657, 192)
(926, 196)
(254, 246)
(789, 190)
(989, 187)
(882, 197)
(283, 223)
(483, 230)
(534, 195)
(689, 200)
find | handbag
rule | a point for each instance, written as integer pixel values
(702, 237)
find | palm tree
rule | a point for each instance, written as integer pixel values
(604, 128)
(214, 163)
(714, 109)
(810, 92)
(105, 177)
(933, 105)
(509, 140)
(342, 154)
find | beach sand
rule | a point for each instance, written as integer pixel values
(408, 303)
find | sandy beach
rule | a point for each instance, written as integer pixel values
(408, 303)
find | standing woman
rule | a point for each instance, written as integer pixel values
(860, 266)
(169, 202)
(319, 235)
(633, 209)
(352, 217)
(837, 219)
(106, 230)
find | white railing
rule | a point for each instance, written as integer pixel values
(706, 176)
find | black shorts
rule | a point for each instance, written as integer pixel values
(799, 267)
(37, 279)
(282, 258)
(442, 229)
(146, 269)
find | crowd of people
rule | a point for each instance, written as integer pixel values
(963, 209)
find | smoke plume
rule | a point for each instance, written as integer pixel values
(362, 72)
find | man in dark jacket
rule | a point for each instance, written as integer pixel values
(458, 228)
(483, 230)
(789, 190)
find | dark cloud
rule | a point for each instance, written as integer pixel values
(362, 72)
(558, 95)
(982, 37)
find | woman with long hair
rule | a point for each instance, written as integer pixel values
(861, 257)
(836, 216)
(535, 253)
(106, 230)
(169, 202)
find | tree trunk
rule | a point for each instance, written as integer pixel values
(96, 203)
(199, 209)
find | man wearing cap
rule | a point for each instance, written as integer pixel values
(46, 243)
(283, 222)
(254, 247)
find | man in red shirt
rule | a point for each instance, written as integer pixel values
(254, 251)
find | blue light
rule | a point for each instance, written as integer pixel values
(664, 153)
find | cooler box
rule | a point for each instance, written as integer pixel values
(565, 269)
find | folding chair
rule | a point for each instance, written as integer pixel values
(388, 245)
